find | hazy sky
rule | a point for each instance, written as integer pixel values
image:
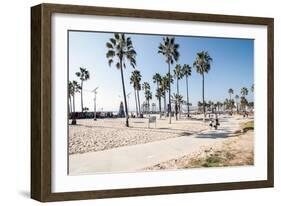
(232, 67)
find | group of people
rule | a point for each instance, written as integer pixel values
(214, 121)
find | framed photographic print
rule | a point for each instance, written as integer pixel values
(130, 102)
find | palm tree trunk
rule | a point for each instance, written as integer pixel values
(69, 106)
(187, 97)
(165, 103)
(159, 99)
(230, 102)
(74, 103)
(139, 102)
(169, 107)
(73, 116)
(82, 96)
(177, 103)
(124, 94)
(136, 103)
(203, 97)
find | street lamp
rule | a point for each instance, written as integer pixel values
(95, 100)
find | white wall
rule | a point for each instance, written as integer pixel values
(15, 103)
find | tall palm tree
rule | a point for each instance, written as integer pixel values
(237, 98)
(74, 87)
(244, 91)
(230, 92)
(135, 81)
(178, 74)
(138, 95)
(146, 89)
(178, 101)
(120, 49)
(148, 96)
(169, 49)
(157, 79)
(164, 88)
(202, 64)
(83, 75)
(70, 94)
(186, 71)
(158, 95)
(199, 105)
(226, 104)
(243, 102)
(218, 105)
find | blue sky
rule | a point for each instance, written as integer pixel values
(232, 67)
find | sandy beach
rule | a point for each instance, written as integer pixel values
(185, 143)
(89, 135)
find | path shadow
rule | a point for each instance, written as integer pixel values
(217, 134)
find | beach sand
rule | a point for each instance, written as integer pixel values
(89, 135)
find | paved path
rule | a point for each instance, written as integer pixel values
(136, 157)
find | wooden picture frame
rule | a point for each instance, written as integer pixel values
(41, 172)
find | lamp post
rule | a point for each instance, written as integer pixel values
(95, 101)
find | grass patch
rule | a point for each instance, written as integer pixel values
(213, 159)
(248, 126)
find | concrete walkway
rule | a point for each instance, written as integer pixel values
(136, 157)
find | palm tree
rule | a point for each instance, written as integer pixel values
(135, 81)
(202, 64)
(70, 94)
(178, 100)
(237, 98)
(199, 105)
(164, 87)
(157, 79)
(226, 104)
(158, 95)
(244, 91)
(169, 49)
(120, 49)
(138, 95)
(210, 104)
(146, 88)
(252, 88)
(83, 75)
(186, 71)
(74, 87)
(148, 96)
(178, 75)
(243, 102)
(230, 92)
(218, 105)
